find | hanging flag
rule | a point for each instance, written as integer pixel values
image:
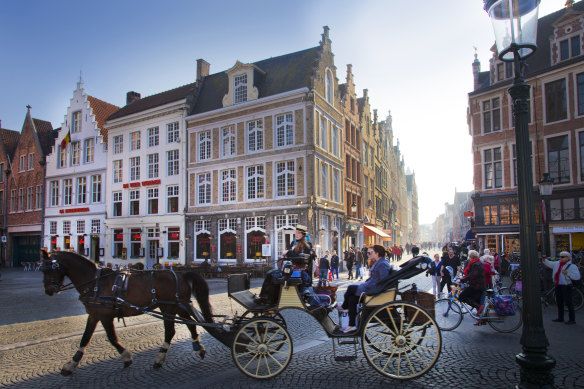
(66, 140)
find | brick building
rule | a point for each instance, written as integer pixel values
(353, 165)
(8, 143)
(556, 121)
(25, 186)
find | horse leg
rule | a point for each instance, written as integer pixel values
(108, 325)
(169, 332)
(68, 368)
(198, 347)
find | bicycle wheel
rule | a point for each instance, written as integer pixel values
(448, 314)
(504, 323)
(577, 299)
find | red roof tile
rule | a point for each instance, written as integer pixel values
(101, 110)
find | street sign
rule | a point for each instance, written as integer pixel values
(3, 238)
(266, 250)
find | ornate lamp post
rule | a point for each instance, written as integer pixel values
(546, 187)
(515, 26)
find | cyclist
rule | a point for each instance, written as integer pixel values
(563, 272)
(474, 276)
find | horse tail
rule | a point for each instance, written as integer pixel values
(200, 290)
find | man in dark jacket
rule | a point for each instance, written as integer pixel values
(323, 269)
(350, 259)
(453, 262)
(335, 264)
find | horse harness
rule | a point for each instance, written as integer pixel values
(119, 291)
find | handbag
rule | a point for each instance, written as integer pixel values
(504, 305)
(577, 283)
(330, 277)
(316, 271)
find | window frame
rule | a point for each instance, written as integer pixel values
(89, 150)
(255, 182)
(491, 113)
(255, 129)
(172, 163)
(286, 128)
(153, 136)
(228, 141)
(172, 192)
(551, 98)
(204, 145)
(228, 186)
(288, 181)
(172, 132)
(135, 140)
(496, 166)
(204, 188)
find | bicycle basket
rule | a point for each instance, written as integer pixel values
(504, 305)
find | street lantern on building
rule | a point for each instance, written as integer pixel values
(515, 26)
(353, 209)
(546, 187)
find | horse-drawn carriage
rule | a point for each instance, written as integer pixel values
(399, 338)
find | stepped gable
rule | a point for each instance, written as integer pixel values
(280, 74)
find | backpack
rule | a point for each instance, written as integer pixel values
(504, 305)
(576, 283)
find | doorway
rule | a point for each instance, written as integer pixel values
(94, 249)
(151, 255)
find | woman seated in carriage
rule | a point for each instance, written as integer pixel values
(380, 269)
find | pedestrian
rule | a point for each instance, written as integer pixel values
(399, 250)
(563, 273)
(358, 263)
(490, 271)
(415, 251)
(453, 262)
(335, 264)
(434, 272)
(350, 259)
(323, 269)
(380, 270)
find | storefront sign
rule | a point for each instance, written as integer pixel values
(568, 230)
(74, 210)
(149, 182)
(266, 250)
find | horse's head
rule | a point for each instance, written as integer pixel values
(53, 273)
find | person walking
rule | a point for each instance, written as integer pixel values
(563, 273)
(335, 264)
(453, 262)
(434, 272)
(350, 259)
(323, 269)
(358, 263)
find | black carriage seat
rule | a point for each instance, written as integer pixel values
(388, 286)
(238, 289)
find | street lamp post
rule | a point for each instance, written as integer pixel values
(546, 187)
(515, 26)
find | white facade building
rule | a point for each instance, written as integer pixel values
(145, 178)
(75, 179)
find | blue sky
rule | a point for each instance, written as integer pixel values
(414, 57)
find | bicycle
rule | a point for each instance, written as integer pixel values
(449, 313)
(549, 298)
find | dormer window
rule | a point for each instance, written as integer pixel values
(241, 84)
(240, 89)
(570, 48)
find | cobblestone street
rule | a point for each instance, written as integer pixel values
(40, 333)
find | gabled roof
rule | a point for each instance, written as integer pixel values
(284, 73)
(101, 110)
(9, 140)
(541, 60)
(154, 101)
(46, 134)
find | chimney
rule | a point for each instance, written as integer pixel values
(203, 68)
(476, 69)
(131, 97)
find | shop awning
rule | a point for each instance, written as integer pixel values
(376, 231)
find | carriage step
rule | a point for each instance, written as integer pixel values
(354, 341)
(345, 358)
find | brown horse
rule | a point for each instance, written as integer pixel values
(108, 294)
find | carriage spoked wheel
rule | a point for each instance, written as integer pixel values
(401, 340)
(262, 348)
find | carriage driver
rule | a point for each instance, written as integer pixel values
(302, 246)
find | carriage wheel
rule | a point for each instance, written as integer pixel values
(400, 340)
(262, 348)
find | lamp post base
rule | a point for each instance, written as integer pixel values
(536, 370)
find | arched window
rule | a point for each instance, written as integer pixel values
(329, 86)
